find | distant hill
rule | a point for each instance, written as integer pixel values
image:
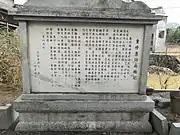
(172, 25)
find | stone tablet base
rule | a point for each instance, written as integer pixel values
(82, 133)
(126, 115)
(87, 126)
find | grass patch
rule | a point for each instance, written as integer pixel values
(164, 81)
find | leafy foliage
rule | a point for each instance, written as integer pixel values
(10, 63)
(173, 36)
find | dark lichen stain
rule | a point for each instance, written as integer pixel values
(85, 14)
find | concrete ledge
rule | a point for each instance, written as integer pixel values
(83, 106)
(56, 117)
(7, 116)
(159, 123)
(93, 97)
(175, 129)
(87, 126)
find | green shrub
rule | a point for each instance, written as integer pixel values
(10, 63)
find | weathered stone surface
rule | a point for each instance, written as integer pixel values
(161, 99)
(7, 116)
(159, 123)
(160, 94)
(92, 97)
(87, 9)
(91, 126)
(161, 102)
(84, 115)
(175, 129)
(56, 117)
(83, 106)
(89, 4)
(9, 132)
(175, 100)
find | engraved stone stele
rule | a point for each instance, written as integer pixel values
(85, 65)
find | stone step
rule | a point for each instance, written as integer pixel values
(56, 117)
(87, 126)
(146, 105)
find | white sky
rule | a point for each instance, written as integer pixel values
(172, 7)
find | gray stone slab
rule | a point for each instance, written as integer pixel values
(175, 100)
(162, 102)
(56, 117)
(92, 4)
(175, 129)
(83, 106)
(25, 57)
(7, 116)
(84, 20)
(91, 126)
(159, 123)
(145, 59)
(98, 97)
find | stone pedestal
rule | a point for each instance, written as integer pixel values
(85, 47)
(84, 133)
(88, 113)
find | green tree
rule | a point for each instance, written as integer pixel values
(173, 36)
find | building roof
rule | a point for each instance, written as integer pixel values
(159, 11)
(5, 19)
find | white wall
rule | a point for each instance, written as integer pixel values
(160, 43)
(19, 2)
(127, 0)
(6, 4)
